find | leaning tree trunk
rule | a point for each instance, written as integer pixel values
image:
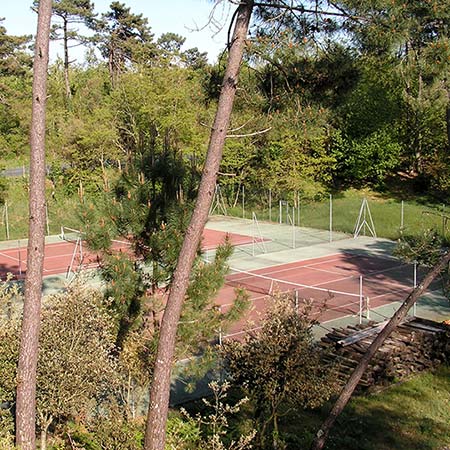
(353, 381)
(26, 372)
(160, 388)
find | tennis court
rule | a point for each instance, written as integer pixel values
(344, 278)
(337, 285)
(69, 253)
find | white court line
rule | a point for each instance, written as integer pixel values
(10, 257)
(296, 283)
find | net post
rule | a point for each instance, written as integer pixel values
(368, 308)
(360, 299)
(20, 257)
(298, 208)
(296, 301)
(69, 269)
(280, 217)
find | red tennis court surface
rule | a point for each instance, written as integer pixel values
(337, 285)
(58, 256)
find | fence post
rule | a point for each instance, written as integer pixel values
(287, 212)
(47, 221)
(7, 220)
(402, 217)
(331, 218)
(20, 257)
(293, 227)
(243, 202)
(270, 205)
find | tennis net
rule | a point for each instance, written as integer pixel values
(265, 285)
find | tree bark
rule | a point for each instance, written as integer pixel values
(354, 379)
(160, 388)
(26, 372)
(66, 59)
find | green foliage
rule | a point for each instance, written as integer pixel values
(75, 369)
(3, 189)
(13, 58)
(279, 366)
(106, 432)
(82, 140)
(425, 249)
(209, 430)
(9, 330)
(124, 38)
(75, 365)
(366, 161)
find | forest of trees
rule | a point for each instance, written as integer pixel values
(345, 102)
(330, 96)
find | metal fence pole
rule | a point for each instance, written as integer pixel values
(20, 257)
(47, 221)
(361, 301)
(402, 217)
(243, 202)
(7, 220)
(270, 205)
(293, 227)
(331, 218)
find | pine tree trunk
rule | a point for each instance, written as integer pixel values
(66, 60)
(353, 381)
(26, 372)
(160, 388)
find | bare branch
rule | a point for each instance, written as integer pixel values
(227, 174)
(240, 128)
(301, 9)
(249, 134)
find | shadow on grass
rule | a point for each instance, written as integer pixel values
(411, 416)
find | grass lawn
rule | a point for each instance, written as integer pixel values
(62, 210)
(386, 213)
(414, 415)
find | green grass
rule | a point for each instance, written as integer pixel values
(414, 415)
(386, 213)
(385, 210)
(62, 210)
